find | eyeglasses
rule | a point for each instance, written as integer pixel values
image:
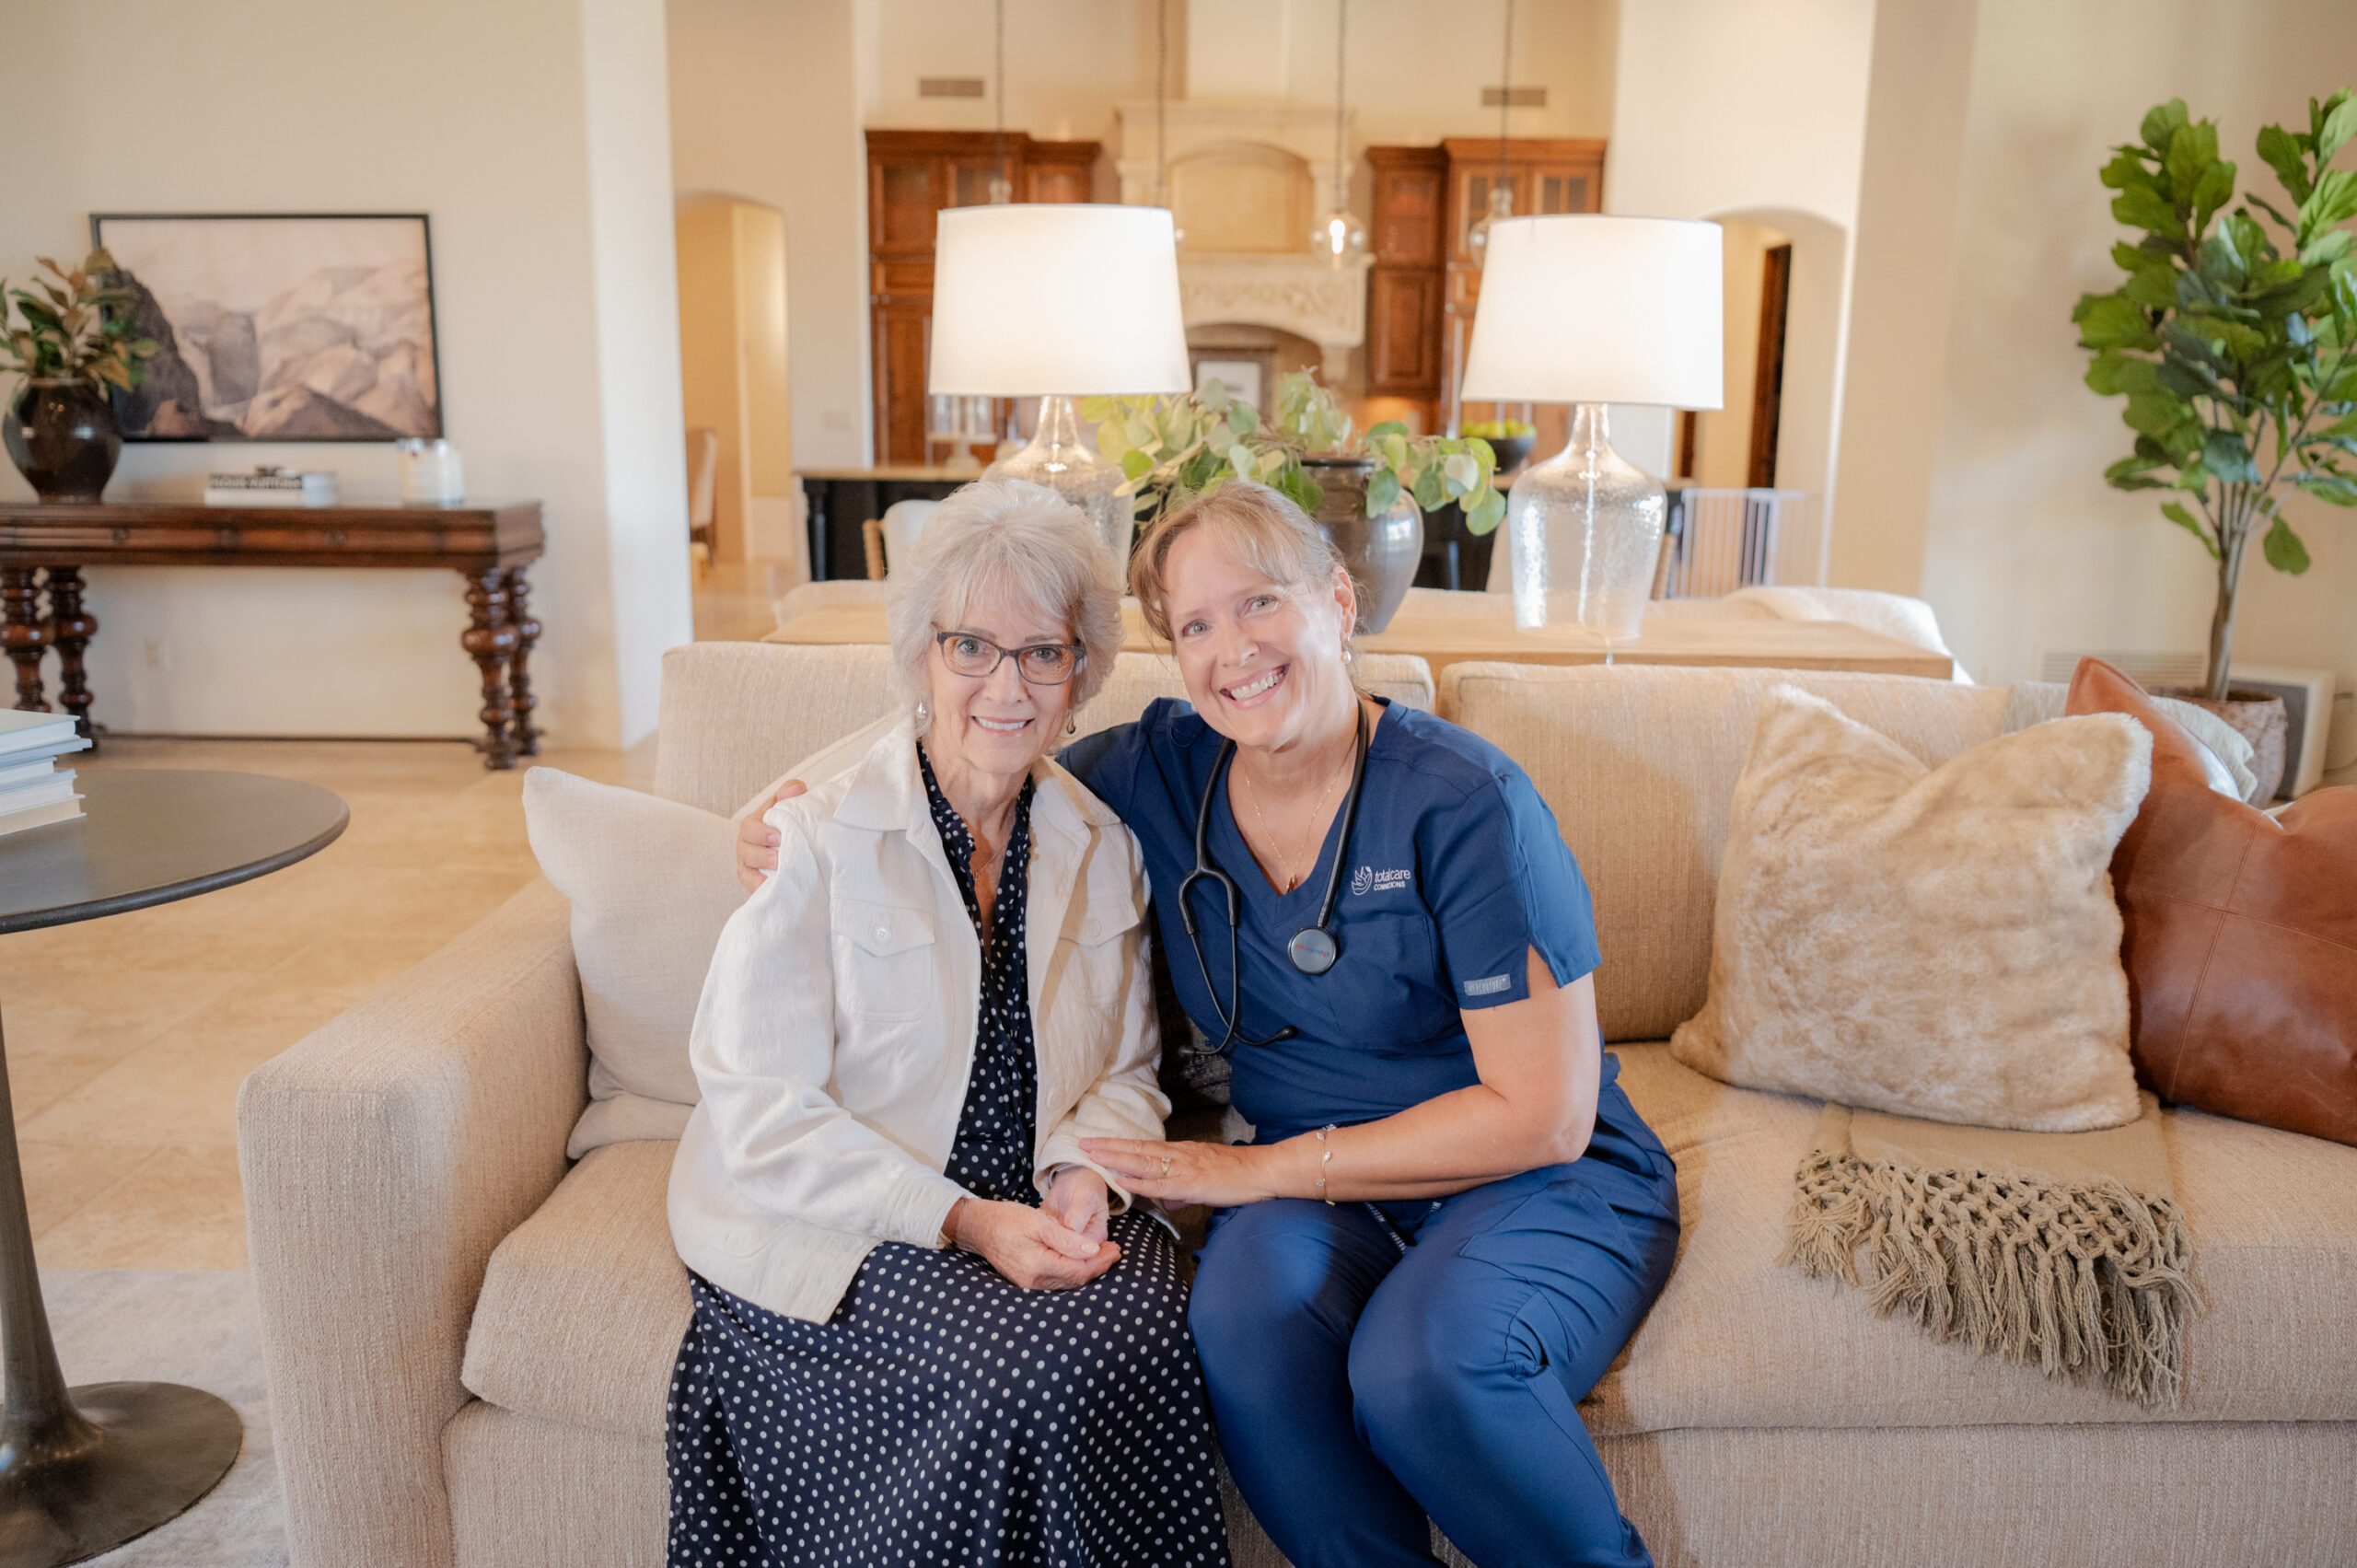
(1041, 664)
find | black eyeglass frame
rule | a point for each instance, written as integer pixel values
(1079, 657)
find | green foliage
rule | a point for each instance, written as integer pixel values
(1172, 449)
(69, 330)
(2234, 336)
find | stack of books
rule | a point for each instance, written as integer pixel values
(33, 789)
(269, 485)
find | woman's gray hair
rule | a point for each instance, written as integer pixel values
(1000, 537)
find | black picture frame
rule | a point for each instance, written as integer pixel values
(315, 351)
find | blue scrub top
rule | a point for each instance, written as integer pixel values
(1454, 872)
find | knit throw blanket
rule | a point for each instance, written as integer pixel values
(2065, 1250)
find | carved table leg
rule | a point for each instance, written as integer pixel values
(25, 634)
(525, 740)
(491, 642)
(71, 628)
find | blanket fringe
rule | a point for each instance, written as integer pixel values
(2086, 1281)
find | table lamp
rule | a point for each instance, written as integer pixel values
(1586, 309)
(1059, 300)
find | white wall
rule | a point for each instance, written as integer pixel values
(2026, 548)
(766, 104)
(1756, 110)
(531, 133)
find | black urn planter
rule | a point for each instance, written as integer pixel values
(1382, 553)
(62, 436)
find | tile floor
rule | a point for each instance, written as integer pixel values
(127, 1037)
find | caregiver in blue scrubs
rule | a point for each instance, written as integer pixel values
(1450, 1218)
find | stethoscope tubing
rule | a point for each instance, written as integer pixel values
(1301, 949)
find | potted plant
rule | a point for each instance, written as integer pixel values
(70, 347)
(2236, 345)
(1369, 491)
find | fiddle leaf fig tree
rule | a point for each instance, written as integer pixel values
(2233, 338)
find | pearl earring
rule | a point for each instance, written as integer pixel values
(923, 711)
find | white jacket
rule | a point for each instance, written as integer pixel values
(836, 1032)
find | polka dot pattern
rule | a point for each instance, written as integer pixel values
(943, 1414)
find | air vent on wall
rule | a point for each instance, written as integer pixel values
(950, 87)
(1513, 98)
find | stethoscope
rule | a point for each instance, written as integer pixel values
(1313, 948)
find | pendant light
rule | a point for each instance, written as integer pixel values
(1477, 240)
(1161, 116)
(1339, 237)
(1002, 189)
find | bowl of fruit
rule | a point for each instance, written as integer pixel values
(1509, 438)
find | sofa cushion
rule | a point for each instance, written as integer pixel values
(1735, 1340)
(651, 883)
(1933, 942)
(583, 1304)
(1639, 765)
(735, 715)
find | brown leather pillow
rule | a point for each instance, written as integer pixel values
(2241, 940)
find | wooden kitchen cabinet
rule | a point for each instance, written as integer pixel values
(912, 176)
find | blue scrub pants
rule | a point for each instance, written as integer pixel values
(1357, 1388)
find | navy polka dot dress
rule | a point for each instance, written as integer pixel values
(944, 1415)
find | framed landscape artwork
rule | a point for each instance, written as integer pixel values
(299, 326)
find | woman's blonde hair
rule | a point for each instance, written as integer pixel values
(1003, 536)
(1267, 533)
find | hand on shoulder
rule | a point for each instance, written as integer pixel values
(757, 842)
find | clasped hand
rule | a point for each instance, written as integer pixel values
(1060, 1245)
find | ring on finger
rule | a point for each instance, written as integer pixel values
(1166, 1168)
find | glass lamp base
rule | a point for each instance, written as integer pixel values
(1586, 535)
(1058, 460)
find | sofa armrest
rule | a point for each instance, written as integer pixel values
(384, 1157)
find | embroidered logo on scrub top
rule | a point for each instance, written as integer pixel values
(1367, 879)
(1489, 985)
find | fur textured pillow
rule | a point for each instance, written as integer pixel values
(1933, 944)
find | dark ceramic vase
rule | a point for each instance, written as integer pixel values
(62, 436)
(1381, 552)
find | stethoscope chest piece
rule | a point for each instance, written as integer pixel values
(1313, 949)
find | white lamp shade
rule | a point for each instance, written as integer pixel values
(1585, 309)
(1056, 300)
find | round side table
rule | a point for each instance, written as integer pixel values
(84, 1470)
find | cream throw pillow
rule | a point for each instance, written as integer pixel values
(1940, 944)
(652, 882)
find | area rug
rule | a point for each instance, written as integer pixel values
(199, 1329)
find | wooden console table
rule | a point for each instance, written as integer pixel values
(488, 545)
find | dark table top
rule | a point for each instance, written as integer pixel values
(151, 835)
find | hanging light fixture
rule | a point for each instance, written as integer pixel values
(1477, 240)
(1340, 237)
(1002, 189)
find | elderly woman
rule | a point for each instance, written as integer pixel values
(1451, 1218)
(918, 1336)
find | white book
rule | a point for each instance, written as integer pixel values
(40, 792)
(38, 816)
(15, 774)
(26, 735)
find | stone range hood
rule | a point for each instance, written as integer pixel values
(1247, 181)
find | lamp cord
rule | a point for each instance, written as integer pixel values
(1161, 94)
(1342, 174)
(1506, 88)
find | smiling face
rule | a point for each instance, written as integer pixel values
(1263, 660)
(997, 724)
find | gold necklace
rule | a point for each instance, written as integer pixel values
(1292, 881)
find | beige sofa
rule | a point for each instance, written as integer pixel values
(469, 1343)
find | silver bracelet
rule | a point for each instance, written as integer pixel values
(1325, 1158)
